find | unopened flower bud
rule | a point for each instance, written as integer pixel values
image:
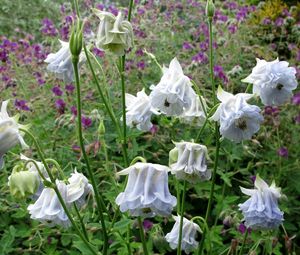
(101, 128)
(23, 183)
(173, 156)
(210, 9)
(76, 39)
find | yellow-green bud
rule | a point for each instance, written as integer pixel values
(101, 128)
(76, 39)
(23, 183)
(210, 9)
(173, 156)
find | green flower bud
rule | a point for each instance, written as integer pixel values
(76, 39)
(101, 128)
(173, 156)
(23, 183)
(210, 9)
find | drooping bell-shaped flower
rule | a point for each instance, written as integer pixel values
(147, 192)
(114, 33)
(261, 209)
(78, 188)
(139, 111)
(60, 62)
(189, 232)
(10, 134)
(190, 163)
(23, 183)
(48, 209)
(173, 94)
(238, 119)
(273, 81)
(196, 113)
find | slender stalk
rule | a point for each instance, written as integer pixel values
(142, 235)
(98, 197)
(81, 222)
(130, 10)
(217, 136)
(244, 241)
(61, 200)
(181, 218)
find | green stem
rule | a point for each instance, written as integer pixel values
(98, 197)
(81, 222)
(142, 235)
(181, 218)
(130, 10)
(217, 137)
(77, 8)
(61, 200)
(244, 241)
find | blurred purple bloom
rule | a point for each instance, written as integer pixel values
(69, 88)
(21, 105)
(283, 152)
(242, 228)
(139, 53)
(253, 178)
(266, 21)
(74, 110)
(100, 7)
(48, 27)
(296, 99)
(154, 129)
(271, 110)
(187, 46)
(147, 224)
(279, 22)
(57, 91)
(200, 58)
(232, 28)
(86, 121)
(218, 72)
(98, 52)
(141, 65)
(60, 105)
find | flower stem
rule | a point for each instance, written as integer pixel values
(217, 136)
(244, 241)
(181, 218)
(98, 197)
(142, 235)
(81, 222)
(61, 200)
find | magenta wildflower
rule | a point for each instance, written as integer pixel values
(86, 122)
(242, 228)
(48, 27)
(57, 91)
(283, 152)
(98, 52)
(60, 105)
(70, 88)
(154, 129)
(219, 72)
(74, 110)
(271, 110)
(279, 22)
(21, 105)
(187, 46)
(141, 65)
(296, 99)
(147, 224)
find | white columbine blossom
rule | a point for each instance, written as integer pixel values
(173, 94)
(189, 232)
(78, 188)
(114, 33)
(10, 135)
(273, 81)
(238, 120)
(139, 111)
(261, 209)
(195, 114)
(190, 163)
(48, 208)
(60, 62)
(147, 192)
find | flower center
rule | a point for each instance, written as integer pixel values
(146, 210)
(279, 86)
(241, 123)
(166, 104)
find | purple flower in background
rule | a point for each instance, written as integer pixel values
(57, 91)
(86, 121)
(70, 88)
(154, 129)
(242, 228)
(271, 110)
(21, 105)
(60, 105)
(74, 110)
(232, 28)
(48, 27)
(147, 224)
(283, 152)
(200, 58)
(279, 22)
(140, 11)
(187, 46)
(139, 53)
(98, 52)
(141, 65)
(218, 72)
(266, 21)
(253, 178)
(113, 10)
(100, 7)
(203, 46)
(296, 99)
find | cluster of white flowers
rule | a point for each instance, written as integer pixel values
(10, 134)
(48, 209)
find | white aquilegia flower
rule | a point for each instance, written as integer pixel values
(174, 93)
(189, 232)
(147, 192)
(188, 161)
(114, 33)
(60, 62)
(195, 114)
(78, 188)
(10, 134)
(261, 209)
(48, 209)
(139, 111)
(273, 81)
(238, 119)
